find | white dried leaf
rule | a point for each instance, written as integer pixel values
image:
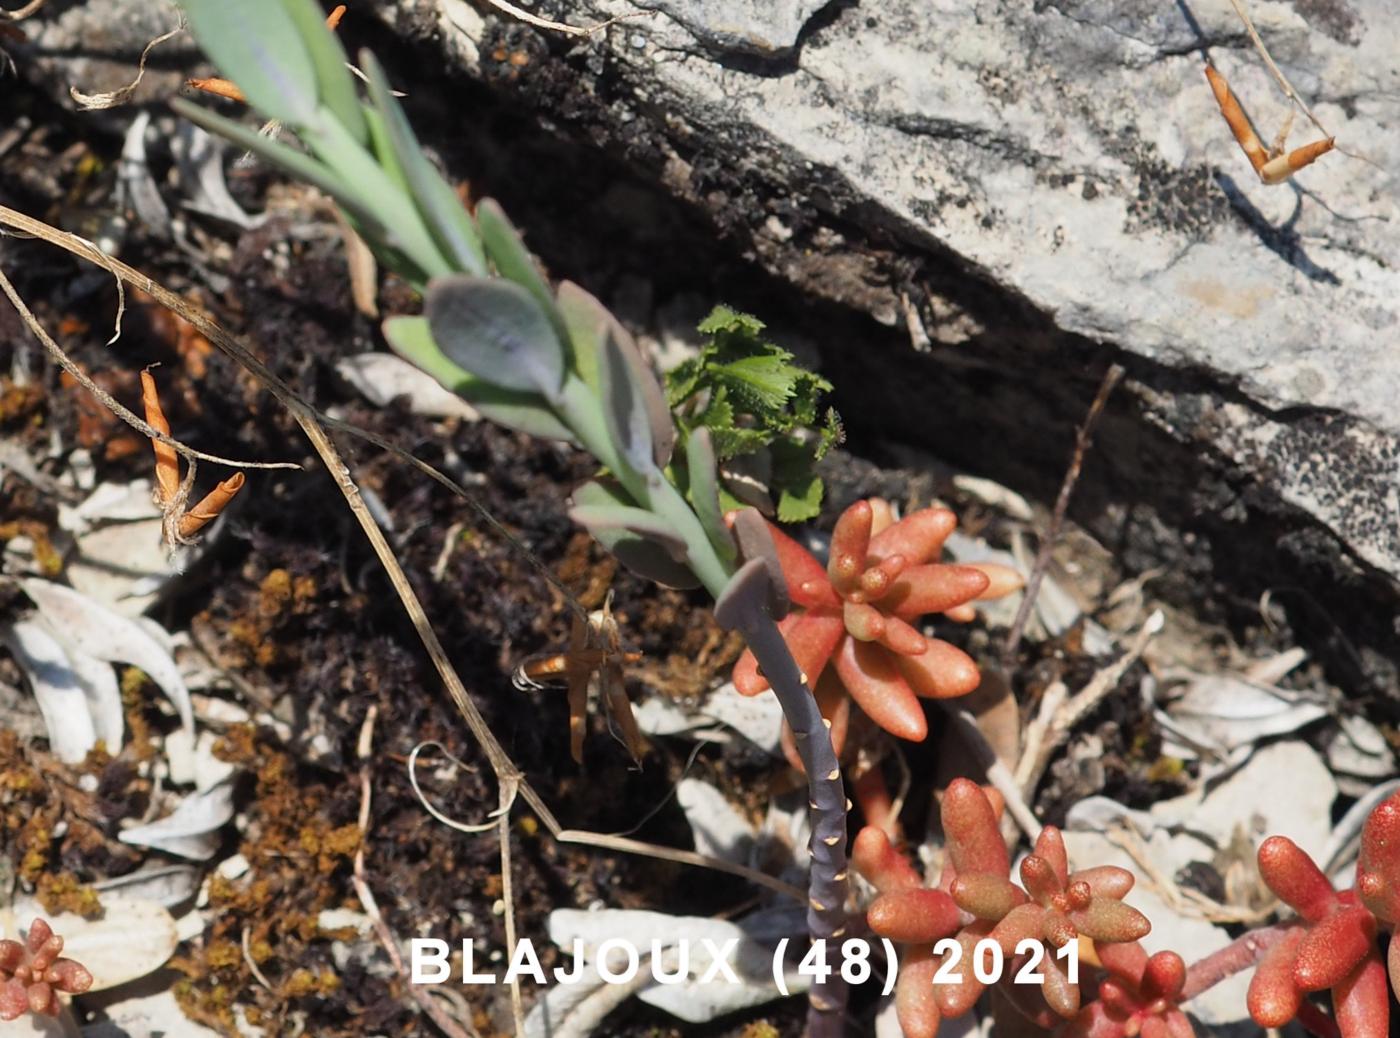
(192, 829)
(152, 1015)
(719, 829)
(166, 885)
(1360, 749)
(1220, 712)
(380, 377)
(759, 719)
(89, 627)
(60, 694)
(133, 937)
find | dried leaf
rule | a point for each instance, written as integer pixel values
(61, 697)
(192, 829)
(381, 377)
(95, 630)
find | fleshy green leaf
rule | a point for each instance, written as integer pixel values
(703, 477)
(256, 43)
(289, 160)
(644, 557)
(587, 321)
(638, 420)
(495, 330)
(507, 251)
(441, 209)
(334, 83)
(412, 339)
(629, 520)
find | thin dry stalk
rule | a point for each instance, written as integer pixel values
(449, 1026)
(1283, 82)
(560, 27)
(1057, 518)
(33, 7)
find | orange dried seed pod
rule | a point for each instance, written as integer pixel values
(1238, 122)
(333, 19)
(1281, 167)
(204, 513)
(167, 461)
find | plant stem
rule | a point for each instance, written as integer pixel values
(1237, 956)
(743, 607)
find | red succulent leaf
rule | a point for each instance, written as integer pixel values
(1107, 919)
(1050, 846)
(69, 976)
(919, 916)
(941, 671)
(933, 588)
(970, 824)
(1060, 994)
(915, 994)
(876, 859)
(919, 536)
(850, 540)
(1273, 997)
(986, 895)
(1362, 1000)
(807, 583)
(1164, 976)
(1295, 878)
(14, 999)
(1094, 1021)
(810, 637)
(1105, 880)
(1040, 880)
(32, 973)
(956, 999)
(1024, 922)
(876, 684)
(1378, 870)
(1334, 947)
(11, 955)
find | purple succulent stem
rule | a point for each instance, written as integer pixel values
(744, 606)
(1240, 954)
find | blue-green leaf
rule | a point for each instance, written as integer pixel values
(507, 251)
(256, 44)
(644, 557)
(638, 418)
(702, 472)
(412, 339)
(587, 321)
(495, 330)
(440, 206)
(626, 519)
(337, 88)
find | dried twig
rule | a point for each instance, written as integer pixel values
(1283, 82)
(1058, 716)
(451, 1027)
(1057, 517)
(28, 9)
(568, 30)
(106, 399)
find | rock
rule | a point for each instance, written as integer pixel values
(983, 209)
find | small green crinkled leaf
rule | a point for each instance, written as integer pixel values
(412, 339)
(441, 209)
(759, 382)
(644, 557)
(799, 501)
(725, 319)
(795, 479)
(334, 83)
(495, 330)
(256, 43)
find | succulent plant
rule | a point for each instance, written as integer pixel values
(857, 615)
(1140, 996)
(32, 975)
(1334, 946)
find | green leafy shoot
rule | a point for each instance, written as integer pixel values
(755, 398)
